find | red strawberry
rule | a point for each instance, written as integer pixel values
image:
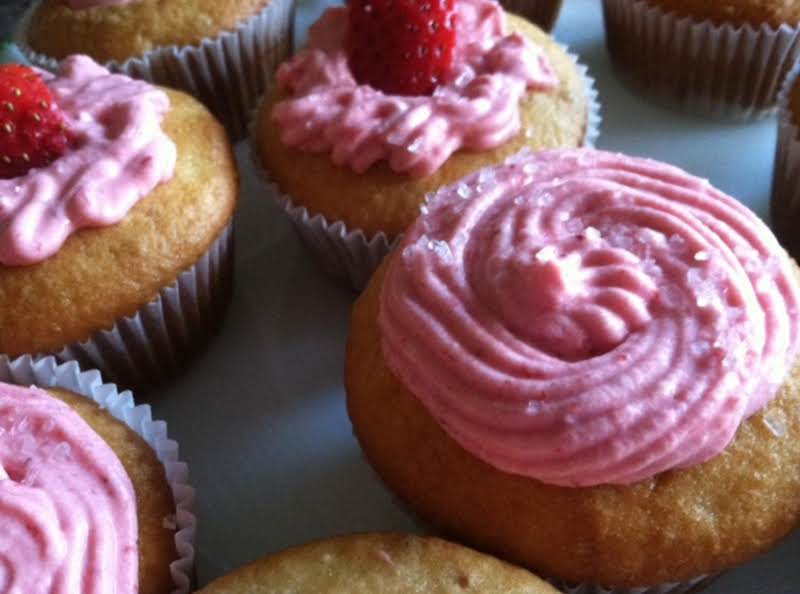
(403, 47)
(32, 132)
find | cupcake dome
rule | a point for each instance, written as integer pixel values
(117, 31)
(132, 293)
(584, 442)
(736, 12)
(385, 563)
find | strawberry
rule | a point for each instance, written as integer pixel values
(402, 47)
(32, 131)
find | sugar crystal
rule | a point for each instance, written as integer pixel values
(440, 248)
(776, 425)
(464, 190)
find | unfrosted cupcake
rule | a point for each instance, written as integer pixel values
(223, 53)
(88, 502)
(543, 13)
(379, 563)
(785, 202)
(115, 248)
(585, 363)
(374, 114)
(724, 58)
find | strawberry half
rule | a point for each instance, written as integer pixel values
(402, 47)
(32, 131)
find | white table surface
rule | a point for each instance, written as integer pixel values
(260, 415)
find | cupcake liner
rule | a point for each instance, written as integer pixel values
(48, 373)
(150, 346)
(720, 70)
(349, 255)
(694, 585)
(228, 73)
(785, 199)
(543, 13)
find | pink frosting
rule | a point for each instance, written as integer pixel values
(478, 109)
(68, 521)
(582, 317)
(78, 4)
(121, 154)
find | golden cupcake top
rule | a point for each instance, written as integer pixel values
(736, 12)
(380, 564)
(121, 31)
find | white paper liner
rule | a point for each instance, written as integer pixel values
(543, 13)
(151, 345)
(720, 70)
(228, 73)
(47, 373)
(694, 585)
(350, 255)
(785, 199)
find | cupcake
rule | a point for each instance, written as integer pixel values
(223, 53)
(542, 12)
(385, 563)
(92, 497)
(785, 201)
(722, 58)
(375, 114)
(585, 363)
(116, 246)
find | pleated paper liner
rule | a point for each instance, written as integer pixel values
(349, 255)
(152, 345)
(228, 73)
(543, 13)
(719, 70)
(695, 585)
(785, 200)
(48, 373)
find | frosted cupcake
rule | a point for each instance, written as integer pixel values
(223, 53)
(722, 58)
(115, 221)
(576, 360)
(385, 563)
(87, 504)
(374, 114)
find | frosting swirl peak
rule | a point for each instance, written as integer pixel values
(582, 317)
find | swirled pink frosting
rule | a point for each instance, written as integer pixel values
(582, 317)
(328, 111)
(68, 521)
(120, 154)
